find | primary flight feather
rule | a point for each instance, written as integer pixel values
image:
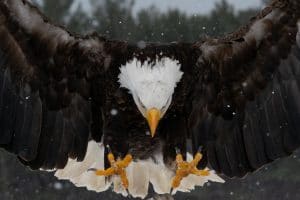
(135, 115)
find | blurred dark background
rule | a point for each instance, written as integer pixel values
(115, 19)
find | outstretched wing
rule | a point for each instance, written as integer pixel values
(246, 108)
(49, 81)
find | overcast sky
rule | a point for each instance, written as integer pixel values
(188, 6)
(194, 6)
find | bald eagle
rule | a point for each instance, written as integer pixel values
(105, 112)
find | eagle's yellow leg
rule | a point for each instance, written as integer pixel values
(117, 168)
(200, 172)
(108, 172)
(185, 168)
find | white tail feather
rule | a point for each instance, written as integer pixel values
(74, 169)
(140, 174)
(118, 187)
(77, 172)
(160, 178)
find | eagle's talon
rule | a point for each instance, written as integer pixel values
(108, 172)
(185, 168)
(117, 168)
(177, 150)
(200, 149)
(200, 172)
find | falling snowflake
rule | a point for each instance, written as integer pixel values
(141, 44)
(58, 186)
(114, 112)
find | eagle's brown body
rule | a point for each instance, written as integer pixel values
(238, 98)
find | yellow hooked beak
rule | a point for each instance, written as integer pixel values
(153, 117)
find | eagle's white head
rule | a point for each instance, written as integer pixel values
(152, 85)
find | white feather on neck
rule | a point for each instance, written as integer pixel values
(151, 83)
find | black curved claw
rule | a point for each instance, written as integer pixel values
(178, 151)
(200, 149)
(108, 148)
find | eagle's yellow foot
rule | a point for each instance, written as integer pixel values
(185, 168)
(117, 168)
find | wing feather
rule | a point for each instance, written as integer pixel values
(249, 92)
(45, 87)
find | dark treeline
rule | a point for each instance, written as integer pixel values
(115, 19)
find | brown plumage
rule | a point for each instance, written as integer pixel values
(238, 98)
